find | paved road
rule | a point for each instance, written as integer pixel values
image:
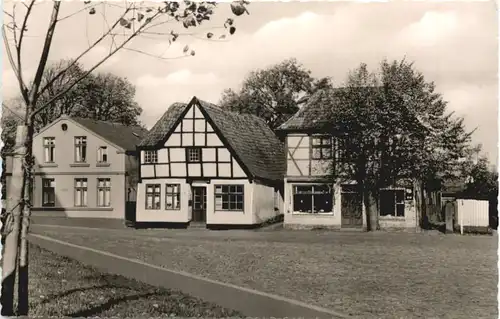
(247, 301)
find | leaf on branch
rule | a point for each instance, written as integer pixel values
(86, 2)
(173, 6)
(210, 35)
(149, 10)
(229, 21)
(186, 49)
(238, 8)
(222, 36)
(232, 30)
(140, 16)
(193, 53)
(123, 22)
(189, 21)
(202, 9)
(92, 11)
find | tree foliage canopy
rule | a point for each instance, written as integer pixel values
(273, 93)
(102, 96)
(396, 126)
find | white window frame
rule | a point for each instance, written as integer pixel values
(50, 188)
(49, 149)
(81, 184)
(156, 192)
(293, 193)
(219, 195)
(396, 203)
(104, 185)
(102, 152)
(150, 156)
(324, 144)
(80, 149)
(173, 192)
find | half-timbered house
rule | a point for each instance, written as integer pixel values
(313, 198)
(202, 164)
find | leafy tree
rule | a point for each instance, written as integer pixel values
(392, 126)
(103, 96)
(273, 93)
(123, 23)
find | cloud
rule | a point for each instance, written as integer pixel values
(182, 77)
(431, 29)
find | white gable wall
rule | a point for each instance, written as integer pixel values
(193, 131)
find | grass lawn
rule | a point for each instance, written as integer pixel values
(366, 275)
(63, 287)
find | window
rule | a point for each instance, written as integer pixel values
(102, 154)
(151, 156)
(104, 192)
(172, 196)
(193, 154)
(313, 199)
(322, 147)
(392, 202)
(153, 196)
(80, 149)
(80, 192)
(229, 197)
(49, 148)
(48, 192)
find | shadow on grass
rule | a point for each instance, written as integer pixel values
(94, 311)
(66, 293)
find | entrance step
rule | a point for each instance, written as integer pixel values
(197, 225)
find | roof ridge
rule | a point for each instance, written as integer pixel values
(107, 122)
(233, 112)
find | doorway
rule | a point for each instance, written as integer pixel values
(351, 207)
(199, 204)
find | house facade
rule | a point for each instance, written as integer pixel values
(313, 198)
(84, 168)
(202, 164)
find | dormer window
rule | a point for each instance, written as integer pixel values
(80, 149)
(150, 157)
(102, 154)
(49, 147)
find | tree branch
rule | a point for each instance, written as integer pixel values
(84, 52)
(94, 67)
(19, 76)
(152, 55)
(45, 54)
(74, 13)
(21, 36)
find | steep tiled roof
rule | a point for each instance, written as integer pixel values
(317, 111)
(124, 136)
(164, 125)
(253, 142)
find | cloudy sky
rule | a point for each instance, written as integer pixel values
(453, 43)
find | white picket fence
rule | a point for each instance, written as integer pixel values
(473, 213)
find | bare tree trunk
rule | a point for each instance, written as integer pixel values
(22, 289)
(10, 252)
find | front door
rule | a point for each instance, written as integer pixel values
(199, 204)
(351, 207)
